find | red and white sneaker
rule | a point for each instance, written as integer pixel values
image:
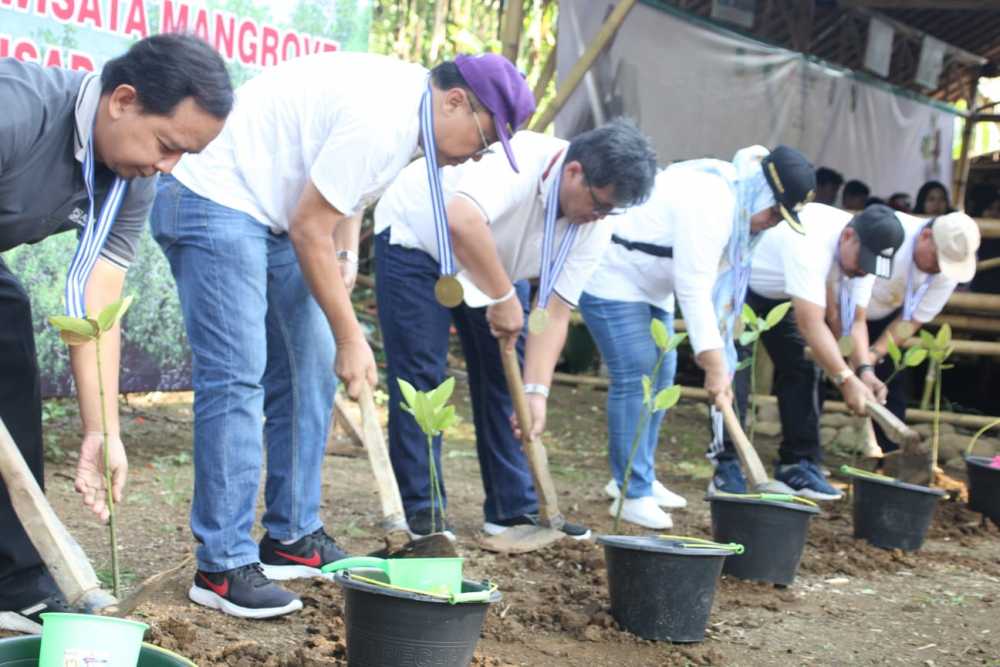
(300, 559)
(244, 592)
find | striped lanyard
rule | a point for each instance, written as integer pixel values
(914, 294)
(93, 236)
(447, 289)
(848, 306)
(552, 264)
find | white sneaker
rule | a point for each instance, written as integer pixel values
(643, 512)
(664, 497)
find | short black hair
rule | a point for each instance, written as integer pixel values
(827, 176)
(165, 69)
(924, 191)
(856, 188)
(617, 154)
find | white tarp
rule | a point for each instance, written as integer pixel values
(701, 91)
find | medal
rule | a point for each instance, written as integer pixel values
(538, 320)
(846, 345)
(448, 291)
(903, 331)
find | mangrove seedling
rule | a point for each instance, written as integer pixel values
(900, 361)
(753, 328)
(78, 331)
(938, 348)
(433, 415)
(664, 399)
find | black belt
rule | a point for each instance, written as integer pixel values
(648, 248)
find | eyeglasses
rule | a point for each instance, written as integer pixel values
(600, 207)
(485, 150)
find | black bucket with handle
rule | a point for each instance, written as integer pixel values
(888, 513)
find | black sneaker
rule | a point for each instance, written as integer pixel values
(300, 559)
(419, 524)
(244, 592)
(573, 530)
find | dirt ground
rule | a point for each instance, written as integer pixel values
(851, 604)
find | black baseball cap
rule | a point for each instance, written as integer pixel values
(793, 181)
(881, 234)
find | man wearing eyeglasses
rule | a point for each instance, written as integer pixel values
(498, 222)
(253, 229)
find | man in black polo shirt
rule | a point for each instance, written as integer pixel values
(81, 152)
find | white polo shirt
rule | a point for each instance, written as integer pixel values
(514, 207)
(888, 294)
(349, 122)
(787, 264)
(692, 213)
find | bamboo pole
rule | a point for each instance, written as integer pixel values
(974, 301)
(545, 76)
(962, 169)
(583, 65)
(513, 19)
(967, 323)
(988, 264)
(698, 394)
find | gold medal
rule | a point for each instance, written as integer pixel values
(538, 320)
(738, 328)
(448, 291)
(846, 345)
(903, 331)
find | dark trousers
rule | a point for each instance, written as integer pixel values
(796, 384)
(21, 411)
(415, 330)
(899, 388)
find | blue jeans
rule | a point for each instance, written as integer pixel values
(621, 331)
(415, 333)
(261, 349)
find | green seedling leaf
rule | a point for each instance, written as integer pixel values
(647, 390)
(658, 330)
(777, 314)
(744, 364)
(927, 339)
(675, 341)
(914, 357)
(74, 325)
(444, 418)
(748, 316)
(440, 396)
(944, 336)
(748, 337)
(409, 394)
(113, 313)
(667, 398)
(893, 350)
(424, 413)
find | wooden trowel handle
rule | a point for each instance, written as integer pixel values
(745, 449)
(894, 428)
(533, 448)
(378, 456)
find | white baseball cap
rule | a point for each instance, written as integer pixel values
(956, 236)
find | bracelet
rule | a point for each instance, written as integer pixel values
(861, 368)
(841, 377)
(540, 389)
(505, 297)
(347, 256)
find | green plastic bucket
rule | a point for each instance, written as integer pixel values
(89, 641)
(23, 652)
(439, 576)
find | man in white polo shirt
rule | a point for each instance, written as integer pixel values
(698, 224)
(252, 228)
(497, 222)
(828, 274)
(935, 257)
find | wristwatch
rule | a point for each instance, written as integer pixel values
(841, 377)
(540, 389)
(861, 368)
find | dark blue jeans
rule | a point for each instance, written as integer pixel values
(415, 333)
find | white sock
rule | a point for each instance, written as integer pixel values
(287, 542)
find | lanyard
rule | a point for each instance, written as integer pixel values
(848, 309)
(447, 289)
(552, 265)
(93, 236)
(914, 295)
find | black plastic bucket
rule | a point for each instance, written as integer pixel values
(891, 514)
(773, 532)
(23, 652)
(394, 628)
(660, 589)
(984, 487)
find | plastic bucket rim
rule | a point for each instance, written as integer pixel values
(344, 579)
(980, 462)
(666, 547)
(55, 615)
(899, 484)
(809, 509)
